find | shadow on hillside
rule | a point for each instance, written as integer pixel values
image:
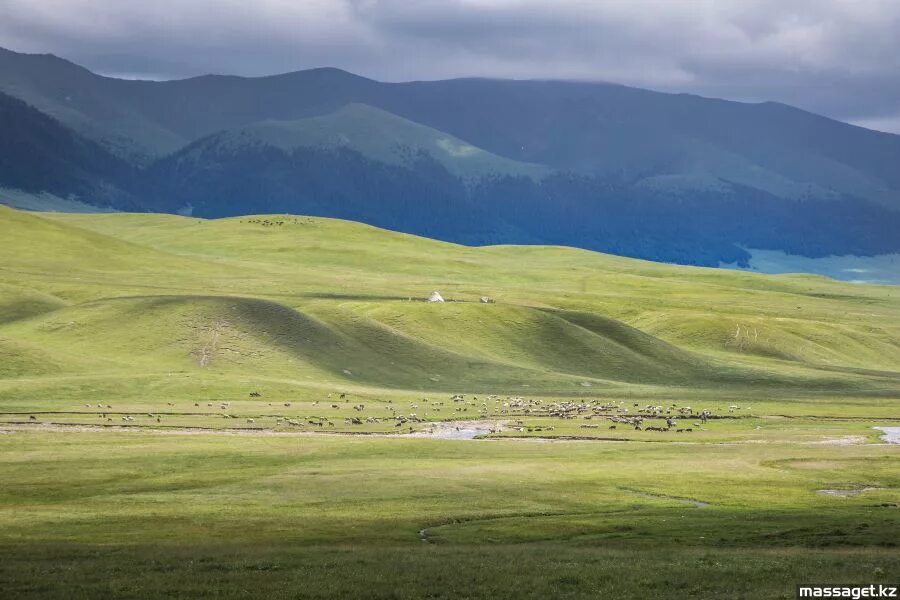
(529, 348)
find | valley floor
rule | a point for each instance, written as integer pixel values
(882, 268)
(145, 513)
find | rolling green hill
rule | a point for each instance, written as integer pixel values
(299, 299)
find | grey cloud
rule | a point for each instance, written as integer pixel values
(837, 57)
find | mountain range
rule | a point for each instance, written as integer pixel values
(672, 177)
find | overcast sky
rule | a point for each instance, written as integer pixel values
(836, 57)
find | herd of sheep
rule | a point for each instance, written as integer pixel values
(511, 409)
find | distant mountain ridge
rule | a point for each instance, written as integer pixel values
(380, 136)
(38, 154)
(671, 177)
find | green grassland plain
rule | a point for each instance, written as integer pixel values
(252, 407)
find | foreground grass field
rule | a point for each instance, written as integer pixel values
(167, 386)
(135, 514)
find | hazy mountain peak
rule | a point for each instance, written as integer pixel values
(676, 177)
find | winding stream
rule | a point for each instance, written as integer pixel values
(891, 435)
(691, 501)
(844, 493)
(457, 430)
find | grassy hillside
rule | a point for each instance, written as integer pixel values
(297, 296)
